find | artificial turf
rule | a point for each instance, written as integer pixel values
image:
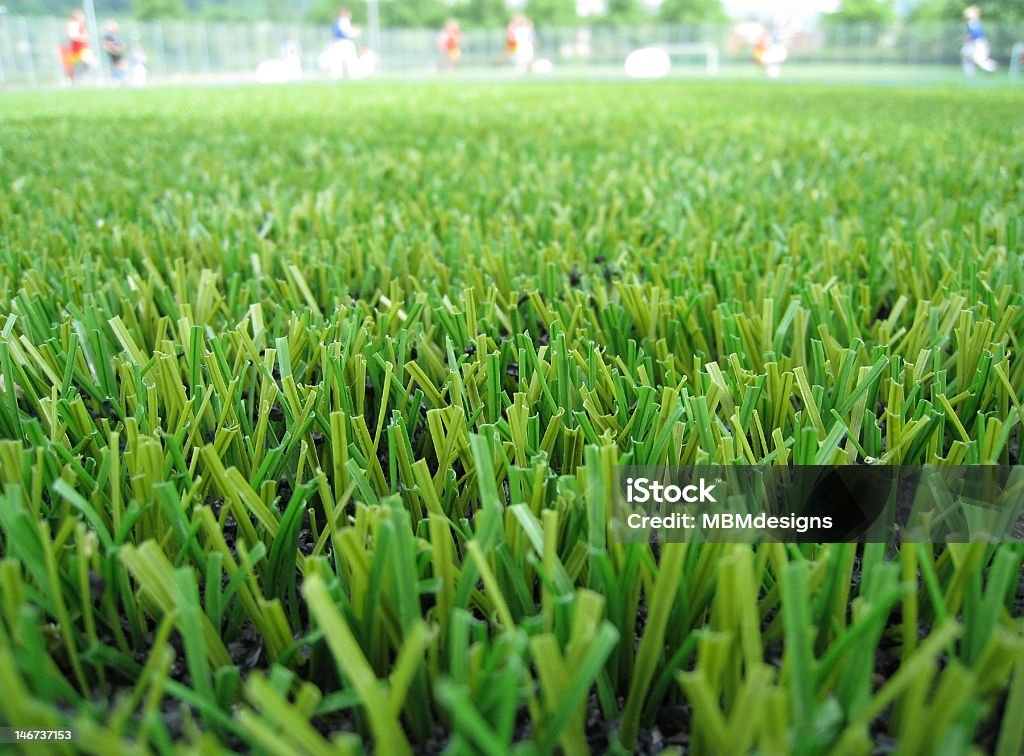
(312, 397)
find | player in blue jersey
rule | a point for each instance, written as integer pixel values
(975, 53)
(342, 56)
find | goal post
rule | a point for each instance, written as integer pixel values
(707, 50)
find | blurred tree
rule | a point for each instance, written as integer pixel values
(155, 9)
(548, 13)
(953, 10)
(61, 8)
(486, 14)
(691, 11)
(225, 10)
(110, 8)
(493, 13)
(413, 14)
(1005, 10)
(621, 12)
(277, 10)
(323, 12)
(863, 11)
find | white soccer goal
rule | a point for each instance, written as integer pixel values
(708, 50)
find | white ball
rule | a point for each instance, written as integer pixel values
(648, 63)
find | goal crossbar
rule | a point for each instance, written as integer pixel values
(707, 49)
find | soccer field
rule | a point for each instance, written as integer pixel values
(312, 396)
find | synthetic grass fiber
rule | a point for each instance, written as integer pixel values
(311, 399)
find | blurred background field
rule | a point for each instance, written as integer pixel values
(871, 42)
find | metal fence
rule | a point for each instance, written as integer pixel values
(188, 50)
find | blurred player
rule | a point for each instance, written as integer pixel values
(519, 39)
(113, 46)
(77, 52)
(342, 56)
(976, 52)
(449, 44)
(137, 65)
(770, 52)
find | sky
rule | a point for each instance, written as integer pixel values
(761, 8)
